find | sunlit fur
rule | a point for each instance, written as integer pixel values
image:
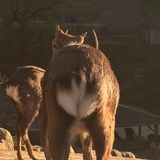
(12, 91)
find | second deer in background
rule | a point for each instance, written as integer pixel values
(24, 89)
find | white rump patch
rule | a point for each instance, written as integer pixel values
(75, 102)
(12, 91)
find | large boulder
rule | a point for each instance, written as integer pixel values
(6, 141)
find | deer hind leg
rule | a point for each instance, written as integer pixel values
(102, 133)
(24, 133)
(86, 146)
(59, 145)
(28, 144)
(42, 125)
(59, 134)
(18, 130)
(19, 152)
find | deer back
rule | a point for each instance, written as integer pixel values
(24, 86)
(78, 76)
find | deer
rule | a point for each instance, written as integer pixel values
(80, 96)
(24, 90)
(62, 39)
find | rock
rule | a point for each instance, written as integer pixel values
(37, 148)
(128, 154)
(116, 153)
(6, 141)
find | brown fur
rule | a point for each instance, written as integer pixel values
(27, 105)
(62, 38)
(78, 62)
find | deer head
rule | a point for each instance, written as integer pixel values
(63, 38)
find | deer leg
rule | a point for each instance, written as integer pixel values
(25, 137)
(28, 144)
(59, 144)
(47, 150)
(42, 125)
(86, 146)
(102, 133)
(59, 133)
(18, 131)
(19, 152)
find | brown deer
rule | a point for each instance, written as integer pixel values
(80, 96)
(63, 38)
(24, 89)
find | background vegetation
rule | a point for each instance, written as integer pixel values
(27, 27)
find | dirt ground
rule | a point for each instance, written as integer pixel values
(11, 155)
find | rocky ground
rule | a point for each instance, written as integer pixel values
(11, 155)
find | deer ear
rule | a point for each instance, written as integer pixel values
(84, 34)
(58, 30)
